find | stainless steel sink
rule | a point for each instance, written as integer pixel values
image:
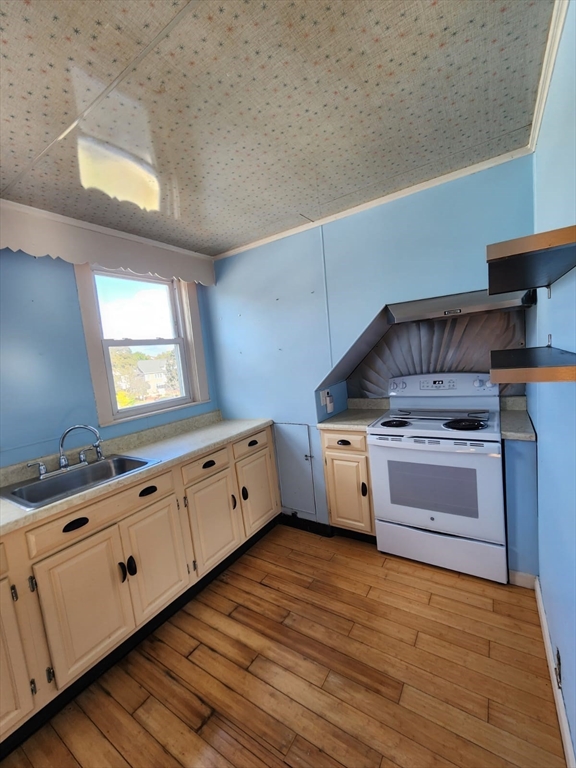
(37, 493)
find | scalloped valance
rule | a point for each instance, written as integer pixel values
(41, 233)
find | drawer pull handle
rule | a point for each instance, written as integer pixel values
(234, 502)
(208, 464)
(73, 525)
(131, 565)
(364, 489)
(244, 493)
(252, 443)
(123, 571)
(148, 490)
(343, 442)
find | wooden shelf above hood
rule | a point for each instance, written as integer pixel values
(531, 262)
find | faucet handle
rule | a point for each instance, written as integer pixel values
(98, 449)
(41, 467)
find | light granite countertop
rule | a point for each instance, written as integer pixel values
(166, 453)
(515, 425)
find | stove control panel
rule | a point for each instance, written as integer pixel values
(443, 384)
(437, 384)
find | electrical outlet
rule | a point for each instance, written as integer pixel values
(323, 393)
(558, 669)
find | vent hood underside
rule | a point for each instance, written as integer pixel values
(452, 305)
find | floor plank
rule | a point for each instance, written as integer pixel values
(314, 652)
(219, 696)
(332, 740)
(393, 658)
(131, 740)
(180, 741)
(292, 605)
(46, 749)
(508, 746)
(379, 737)
(167, 688)
(85, 740)
(330, 657)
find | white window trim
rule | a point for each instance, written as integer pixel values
(192, 349)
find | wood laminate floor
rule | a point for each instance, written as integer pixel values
(318, 653)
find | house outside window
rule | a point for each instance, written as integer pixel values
(144, 342)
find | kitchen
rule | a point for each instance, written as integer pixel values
(283, 314)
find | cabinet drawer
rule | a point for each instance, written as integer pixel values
(250, 444)
(69, 528)
(347, 441)
(3, 560)
(205, 466)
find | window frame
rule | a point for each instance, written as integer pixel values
(186, 313)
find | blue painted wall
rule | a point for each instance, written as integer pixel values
(428, 244)
(553, 406)
(282, 314)
(45, 378)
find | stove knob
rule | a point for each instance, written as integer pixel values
(404, 385)
(478, 383)
(489, 384)
(393, 385)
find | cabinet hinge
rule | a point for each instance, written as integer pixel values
(187, 566)
(33, 688)
(49, 674)
(177, 504)
(185, 501)
(14, 592)
(194, 565)
(32, 584)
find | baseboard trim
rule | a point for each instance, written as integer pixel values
(520, 579)
(54, 706)
(303, 524)
(558, 698)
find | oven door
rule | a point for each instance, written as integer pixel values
(441, 485)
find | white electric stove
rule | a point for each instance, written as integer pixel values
(436, 469)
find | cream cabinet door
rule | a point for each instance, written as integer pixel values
(85, 603)
(256, 482)
(154, 557)
(348, 496)
(15, 695)
(215, 519)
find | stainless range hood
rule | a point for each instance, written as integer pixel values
(453, 305)
(457, 304)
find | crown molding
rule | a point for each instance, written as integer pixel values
(452, 176)
(559, 13)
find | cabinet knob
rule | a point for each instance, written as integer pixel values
(364, 489)
(343, 442)
(123, 571)
(234, 502)
(244, 493)
(131, 565)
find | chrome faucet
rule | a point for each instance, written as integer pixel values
(63, 461)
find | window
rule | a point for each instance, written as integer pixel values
(144, 342)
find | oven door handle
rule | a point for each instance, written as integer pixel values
(472, 447)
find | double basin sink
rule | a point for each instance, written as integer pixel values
(32, 494)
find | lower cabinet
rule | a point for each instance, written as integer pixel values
(15, 694)
(256, 480)
(94, 593)
(87, 579)
(347, 481)
(215, 519)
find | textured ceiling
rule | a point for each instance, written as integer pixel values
(250, 117)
